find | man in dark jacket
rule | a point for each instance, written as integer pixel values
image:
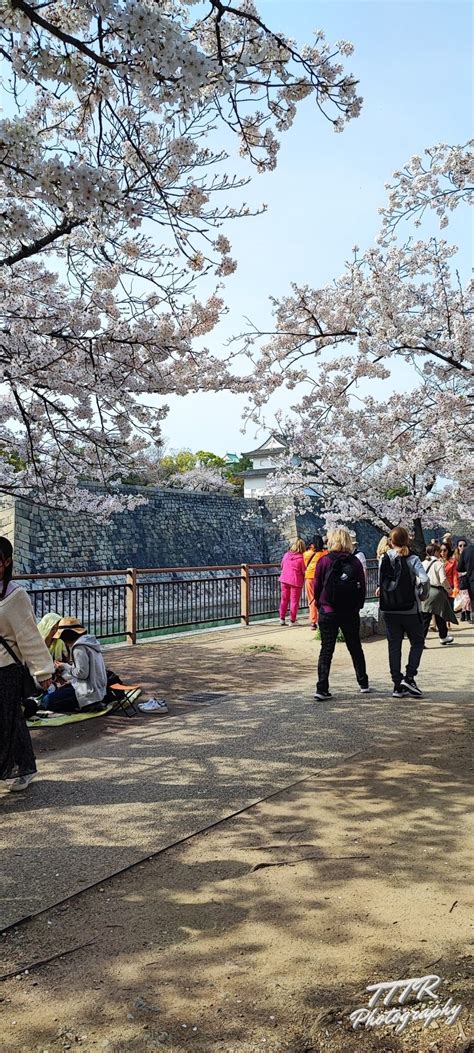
(466, 566)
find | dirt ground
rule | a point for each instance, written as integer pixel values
(262, 934)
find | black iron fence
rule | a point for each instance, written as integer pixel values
(132, 603)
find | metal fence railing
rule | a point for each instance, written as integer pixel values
(133, 602)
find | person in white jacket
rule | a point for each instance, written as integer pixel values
(20, 644)
(85, 673)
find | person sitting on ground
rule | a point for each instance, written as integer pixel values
(403, 582)
(316, 549)
(47, 627)
(438, 602)
(292, 580)
(339, 591)
(356, 550)
(464, 601)
(85, 671)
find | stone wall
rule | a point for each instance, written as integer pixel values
(174, 529)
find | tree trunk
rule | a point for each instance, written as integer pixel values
(419, 544)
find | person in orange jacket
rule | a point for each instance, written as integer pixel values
(311, 556)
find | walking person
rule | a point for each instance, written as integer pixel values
(437, 602)
(464, 599)
(292, 580)
(20, 644)
(383, 546)
(402, 577)
(357, 552)
(311, 556)
(339, 591)
(451, 570)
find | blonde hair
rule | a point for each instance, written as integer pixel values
(339, 540)
(298, 546)
(400, 539)
(383, 546)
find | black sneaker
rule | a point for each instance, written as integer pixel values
(399, 691)
(410, 685)
(321, 696)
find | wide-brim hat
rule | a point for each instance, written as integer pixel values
(69, 623)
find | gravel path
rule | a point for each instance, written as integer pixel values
(133, 790)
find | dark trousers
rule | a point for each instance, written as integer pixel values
(441, 624)
(397, 626)
(62, 701)
(329, 625)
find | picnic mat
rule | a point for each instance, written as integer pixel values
(67, 718)
(73, 718)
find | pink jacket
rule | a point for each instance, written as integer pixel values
(292, 569)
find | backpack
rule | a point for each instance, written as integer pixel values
(397, 585)
(343, 588)
(112, 678)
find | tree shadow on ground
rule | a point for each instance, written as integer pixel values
(262, 956)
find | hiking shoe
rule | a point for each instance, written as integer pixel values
(282, 621)
(399, 692)
(365, 690)
(447, 640)
(154, 705)
(410, 685)
(21, 782)
(321, 696)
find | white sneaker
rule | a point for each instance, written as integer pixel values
(154, 705)
(447, 640)
(21, 782)
(282, 621)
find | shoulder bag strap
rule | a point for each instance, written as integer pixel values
(10, 651)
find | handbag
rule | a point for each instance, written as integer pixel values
(29, 686)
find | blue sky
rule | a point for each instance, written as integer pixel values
(413, 61)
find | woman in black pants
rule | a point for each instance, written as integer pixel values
(22, 643)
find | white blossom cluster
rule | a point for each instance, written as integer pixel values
(405, 460)
(202, 479)
(113, 206)
(440, 181)
(406, 457)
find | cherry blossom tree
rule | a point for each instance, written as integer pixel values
(398, 311)
(115, 200)
(408, 460)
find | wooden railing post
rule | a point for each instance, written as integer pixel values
(131, 606)
(244, 593)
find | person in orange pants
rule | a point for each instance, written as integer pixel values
(311, 556)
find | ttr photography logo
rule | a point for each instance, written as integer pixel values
(387, 1005)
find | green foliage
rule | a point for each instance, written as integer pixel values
(233, 470)
(397, 491)
(262, 649)
(13, 458)
(339, 638)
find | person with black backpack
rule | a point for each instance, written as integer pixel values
(339, 591)
(403, 584)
